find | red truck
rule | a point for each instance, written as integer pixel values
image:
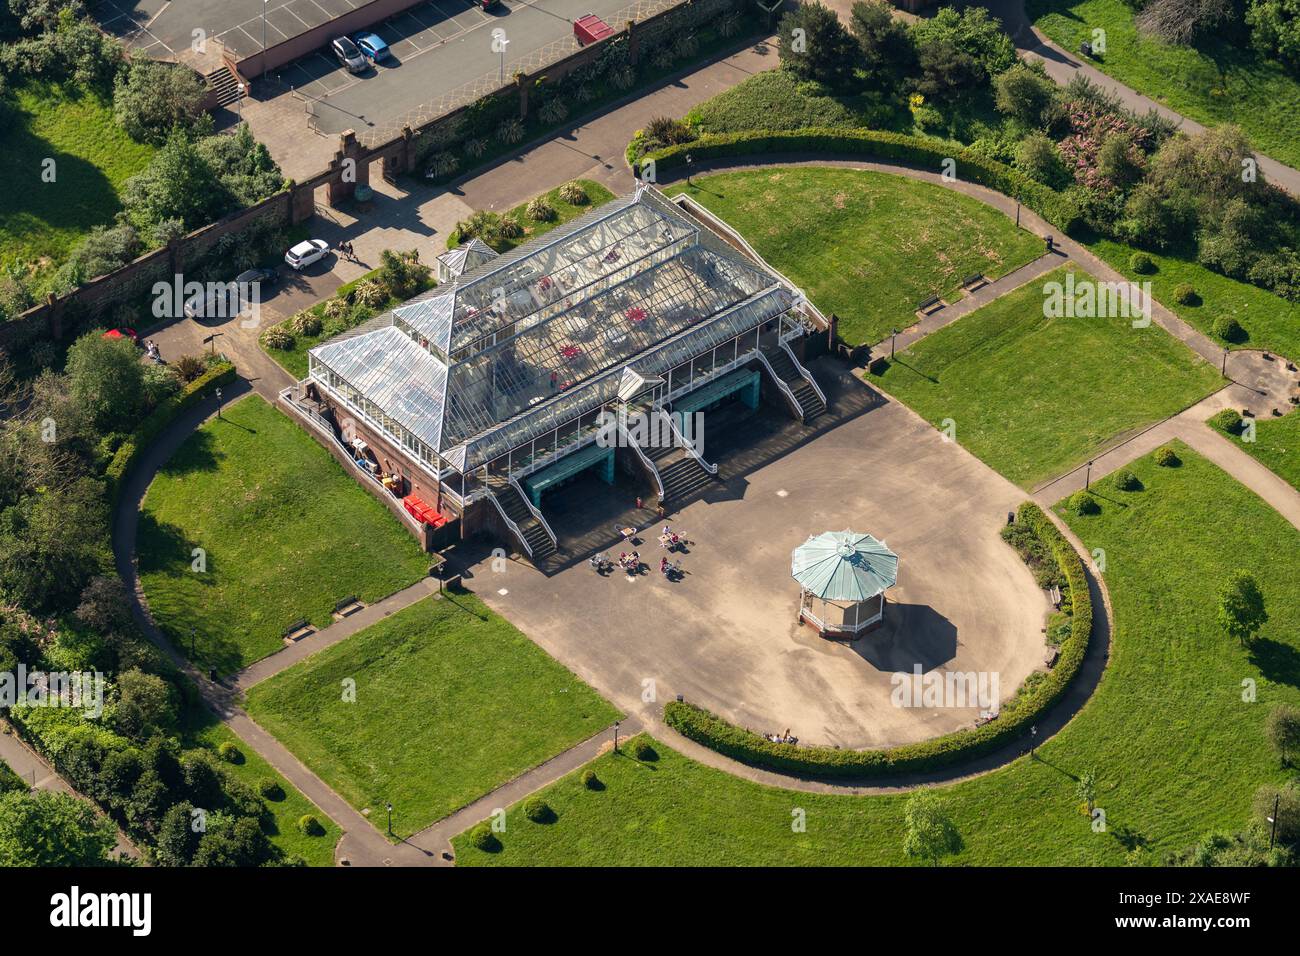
(591, 28)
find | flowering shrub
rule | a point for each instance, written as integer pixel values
(1090, 127)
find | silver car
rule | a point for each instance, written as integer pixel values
(347, 53)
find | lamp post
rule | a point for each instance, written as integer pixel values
(616, 723)
(689, 159)
(892, 336)
(1087, 478)
(1272, 829)
(1033, 740)
(390, 819)
(218, 401)
(240, 102)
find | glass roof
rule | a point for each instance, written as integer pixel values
(523, 343)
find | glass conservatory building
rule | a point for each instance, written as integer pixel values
(507, 368)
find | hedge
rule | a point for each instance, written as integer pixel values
(1057, 208)
(717, 734)
(221, 373)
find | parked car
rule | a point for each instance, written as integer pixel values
(122, 334)
(372, 47)
(265, 276)
(347, 53)
(486, 4)
(306, 252)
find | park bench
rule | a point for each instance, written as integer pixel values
(932, 304)
(1055, 595)
(349, 605)
(298, 630)
(974, 281)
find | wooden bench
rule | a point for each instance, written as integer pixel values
(298, 630)
(349, 605)
(930, 305)
(974, 281)
(1055, 596)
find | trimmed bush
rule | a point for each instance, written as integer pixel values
(270, 788)
(1141, 263)
(1228, 329)
(1166, 457)
(482, 838)
(230, 753)
(643, 750)
(278, 337)
(1228, 420)
(310, 826)
(1125, 480)
(1083, 503)
(1013, 724)
(538, 810)
(591, 781)
(574, 194)
(539, 210)
(1184, 294)
(1060, 209)
(309, 323)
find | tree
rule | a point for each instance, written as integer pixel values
(1241, 607)
(1183, 21)
(931, 833)
(177, 184)
(52, 543)
(1027, 94)
(402, 273)
(1087, 789)
(244, 166)
(52, 829)
(814, 45)
(177, 839)
(145, 705)
(106, 377)
(103, 250)
(973, 33)
(1285, 799)
(887, 50)
(1119, 160)
(1283, 730)
(1275, 29)
(103, 606)
(151, 98)
(1038, 157)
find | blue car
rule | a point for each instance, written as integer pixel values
(372, 48)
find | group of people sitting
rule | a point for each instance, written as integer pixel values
(670, 539)
(630, 562)
(151, 349)
(784, 738)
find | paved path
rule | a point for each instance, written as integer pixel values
(1062, 66)
(39, 775)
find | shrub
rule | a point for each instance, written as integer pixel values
(310, 826)
(538, 810)
(1228, 420)
(1083, 503)
(510, 132)
(270, 788)
(482, 838)
(278, 337)
(309, 323)
(713, 732)
(1141, 263)
(1184, 294)
(1038, 157)
(1228, 329)
(1282, 729)
(666, 131)
(553, 111)
(509, 228)
(1125, 480)
(476, 146)
(230, 753)
(189, 367)
(643, 750)
(574, 194)
(539, 210)
(590, 780)
(1166, 457)
(1286, 799)
(441, 165)
(370, 293)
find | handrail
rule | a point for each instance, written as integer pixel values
(511, 524)
(640, 453)
(780, 382)
(805, 373)
(536, 511)
(688, 447)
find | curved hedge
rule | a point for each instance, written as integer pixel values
(717, 734)
(220, 374)
(1057, 208)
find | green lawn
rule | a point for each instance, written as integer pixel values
(287, 533)
(1176, 751)
(867, 246)
(1215, 83)
(564, 211)
(1270, 321)
(451, 701)
(1276, 446)
(1034, 396)
(207, 732)
(40, 221)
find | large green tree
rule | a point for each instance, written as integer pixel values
(1241, 607)
(106, 378)
(1275, 29)
(814, 45)
(52, 829)
(151, 98)
(931, 834)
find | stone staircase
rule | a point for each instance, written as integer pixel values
(513, 504)
(681, 474)
(223, 83)
(810, 404)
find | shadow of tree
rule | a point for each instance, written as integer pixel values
(1278, 662)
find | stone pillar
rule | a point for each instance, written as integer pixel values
(302, 203)
(349, 169)
(633, 42)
